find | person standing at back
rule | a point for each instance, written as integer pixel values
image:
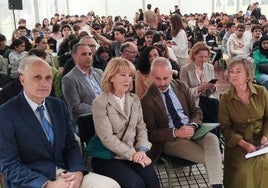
(179, 43)
(256, 11)
(149, 17)
(176, 10)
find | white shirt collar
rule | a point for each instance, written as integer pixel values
(32, 104)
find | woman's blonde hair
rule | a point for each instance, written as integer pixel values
(115, 66)
(248, 65)
(199, 46)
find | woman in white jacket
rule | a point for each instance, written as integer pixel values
(179, 43)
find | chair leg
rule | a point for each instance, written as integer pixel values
(168, 169)
(190, 171)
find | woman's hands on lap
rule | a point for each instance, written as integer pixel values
(141, 158)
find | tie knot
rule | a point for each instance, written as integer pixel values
(166, 92)
(40, 108)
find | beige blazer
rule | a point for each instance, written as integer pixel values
(188, 76)
(110, 122)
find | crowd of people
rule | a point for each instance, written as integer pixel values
(149, 85)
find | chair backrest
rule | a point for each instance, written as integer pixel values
(86, 128)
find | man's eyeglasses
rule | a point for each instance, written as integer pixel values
(135, 52)
(92, 46)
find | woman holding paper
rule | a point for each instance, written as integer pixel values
(244, 124)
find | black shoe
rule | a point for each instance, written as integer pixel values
(217, 186)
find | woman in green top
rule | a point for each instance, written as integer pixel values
(260, 57)
(244, 123)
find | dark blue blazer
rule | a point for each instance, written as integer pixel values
(26, 157)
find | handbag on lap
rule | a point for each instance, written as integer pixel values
(95, 147)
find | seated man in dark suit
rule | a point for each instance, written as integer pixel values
(172, 117)
(37, 145)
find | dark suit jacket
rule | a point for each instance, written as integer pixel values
(155, 115)
(27, 159)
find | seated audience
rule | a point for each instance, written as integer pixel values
(4, 48)
(129, 51)
(36, 135)
(160, 37)
(17, 52)
(162, 47)
(66, 31)
(199, 31)
(119, 36)
(261, 62)
(211, 41)
(27, 41)
(35, 33)
(172, 116)
(41, 43)
(143, 79)
(4, 76)
(244, 124)
(235, 43)
(67, 56)
(82, 84)
(104, 52)
(98, 62)
(50, 41)
(56, 87)
(230, 30)
(253, 43)
(14, 87)
(196, 75)
(119, 125)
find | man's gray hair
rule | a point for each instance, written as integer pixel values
(160, 61)
(75, 47)
(82, 40)
(28, 60)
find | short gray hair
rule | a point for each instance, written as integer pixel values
(160, 61)
(75, 47)
(82, 40)
(28, 60)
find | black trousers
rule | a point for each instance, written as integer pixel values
(210, 109)
(126, 173)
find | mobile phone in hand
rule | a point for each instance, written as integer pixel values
(171, 42)
(213, 81)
